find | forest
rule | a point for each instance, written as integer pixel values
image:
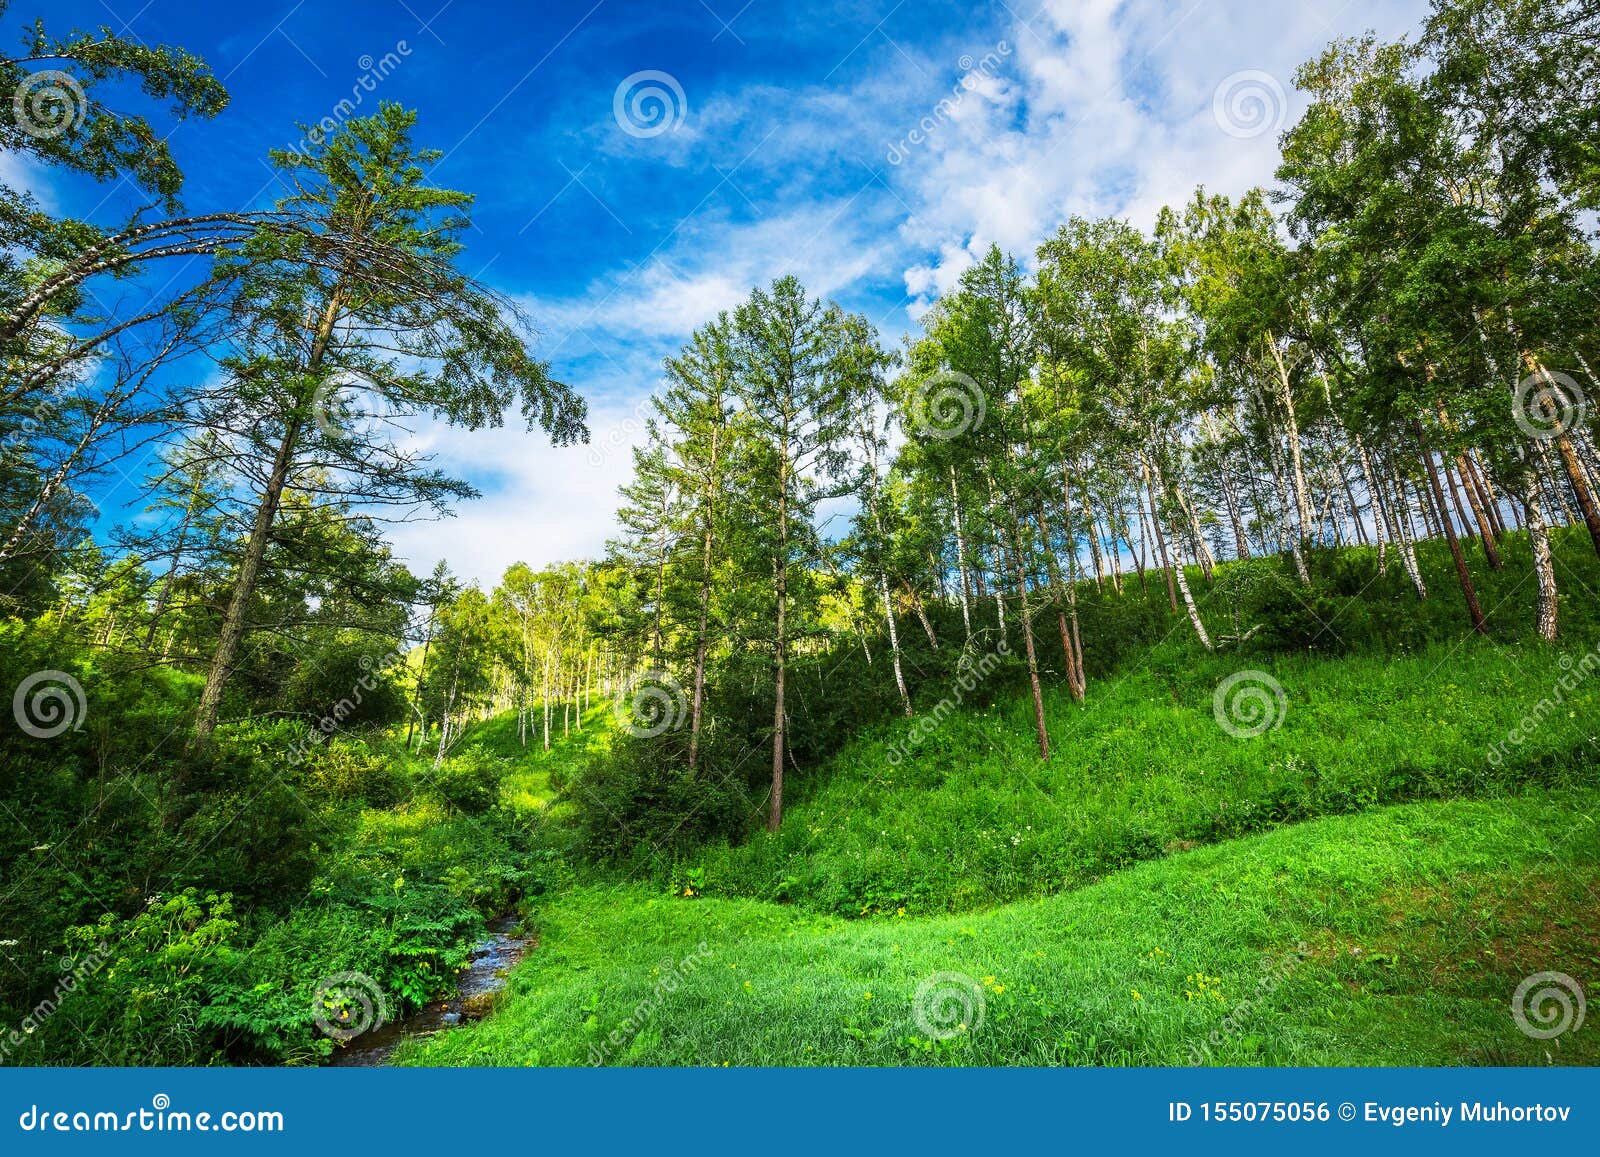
(1177, 651)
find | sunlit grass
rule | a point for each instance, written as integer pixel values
(1398, 936)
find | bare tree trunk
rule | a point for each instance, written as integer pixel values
(1285, 396)
(233, 620)
(1569, 457)
(1539, 540)
(1027, 638)
(780, 648)
(1296, 536)
(1161, 540)
(961, 554)
(1177, 570)
(1467, 589)
(1485, 526)
(922, 614)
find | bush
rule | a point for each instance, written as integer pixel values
(343, 770)
(469, 780)
(632, 800)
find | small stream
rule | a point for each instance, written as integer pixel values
(476, 986)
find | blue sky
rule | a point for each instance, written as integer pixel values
(806, 138)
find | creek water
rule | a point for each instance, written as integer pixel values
(476, 985)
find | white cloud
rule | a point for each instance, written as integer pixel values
(1088, 106)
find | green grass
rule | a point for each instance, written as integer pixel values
(971, 817)
(534, 777)
(1366, 882)
(1398, 936)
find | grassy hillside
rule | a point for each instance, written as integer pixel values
(1393, 937)
(1366, 880)
(970, 817)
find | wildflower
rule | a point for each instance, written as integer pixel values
(1135, 994)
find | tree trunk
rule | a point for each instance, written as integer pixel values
(1177, 570)
(922, 614)
(1539, 540)
(1569, 458)
(1467, 589)
(233, 621)
(780, 644)
(1161, 539)
(1027, 638)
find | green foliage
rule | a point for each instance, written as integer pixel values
(469, 780)
(1355, 920)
